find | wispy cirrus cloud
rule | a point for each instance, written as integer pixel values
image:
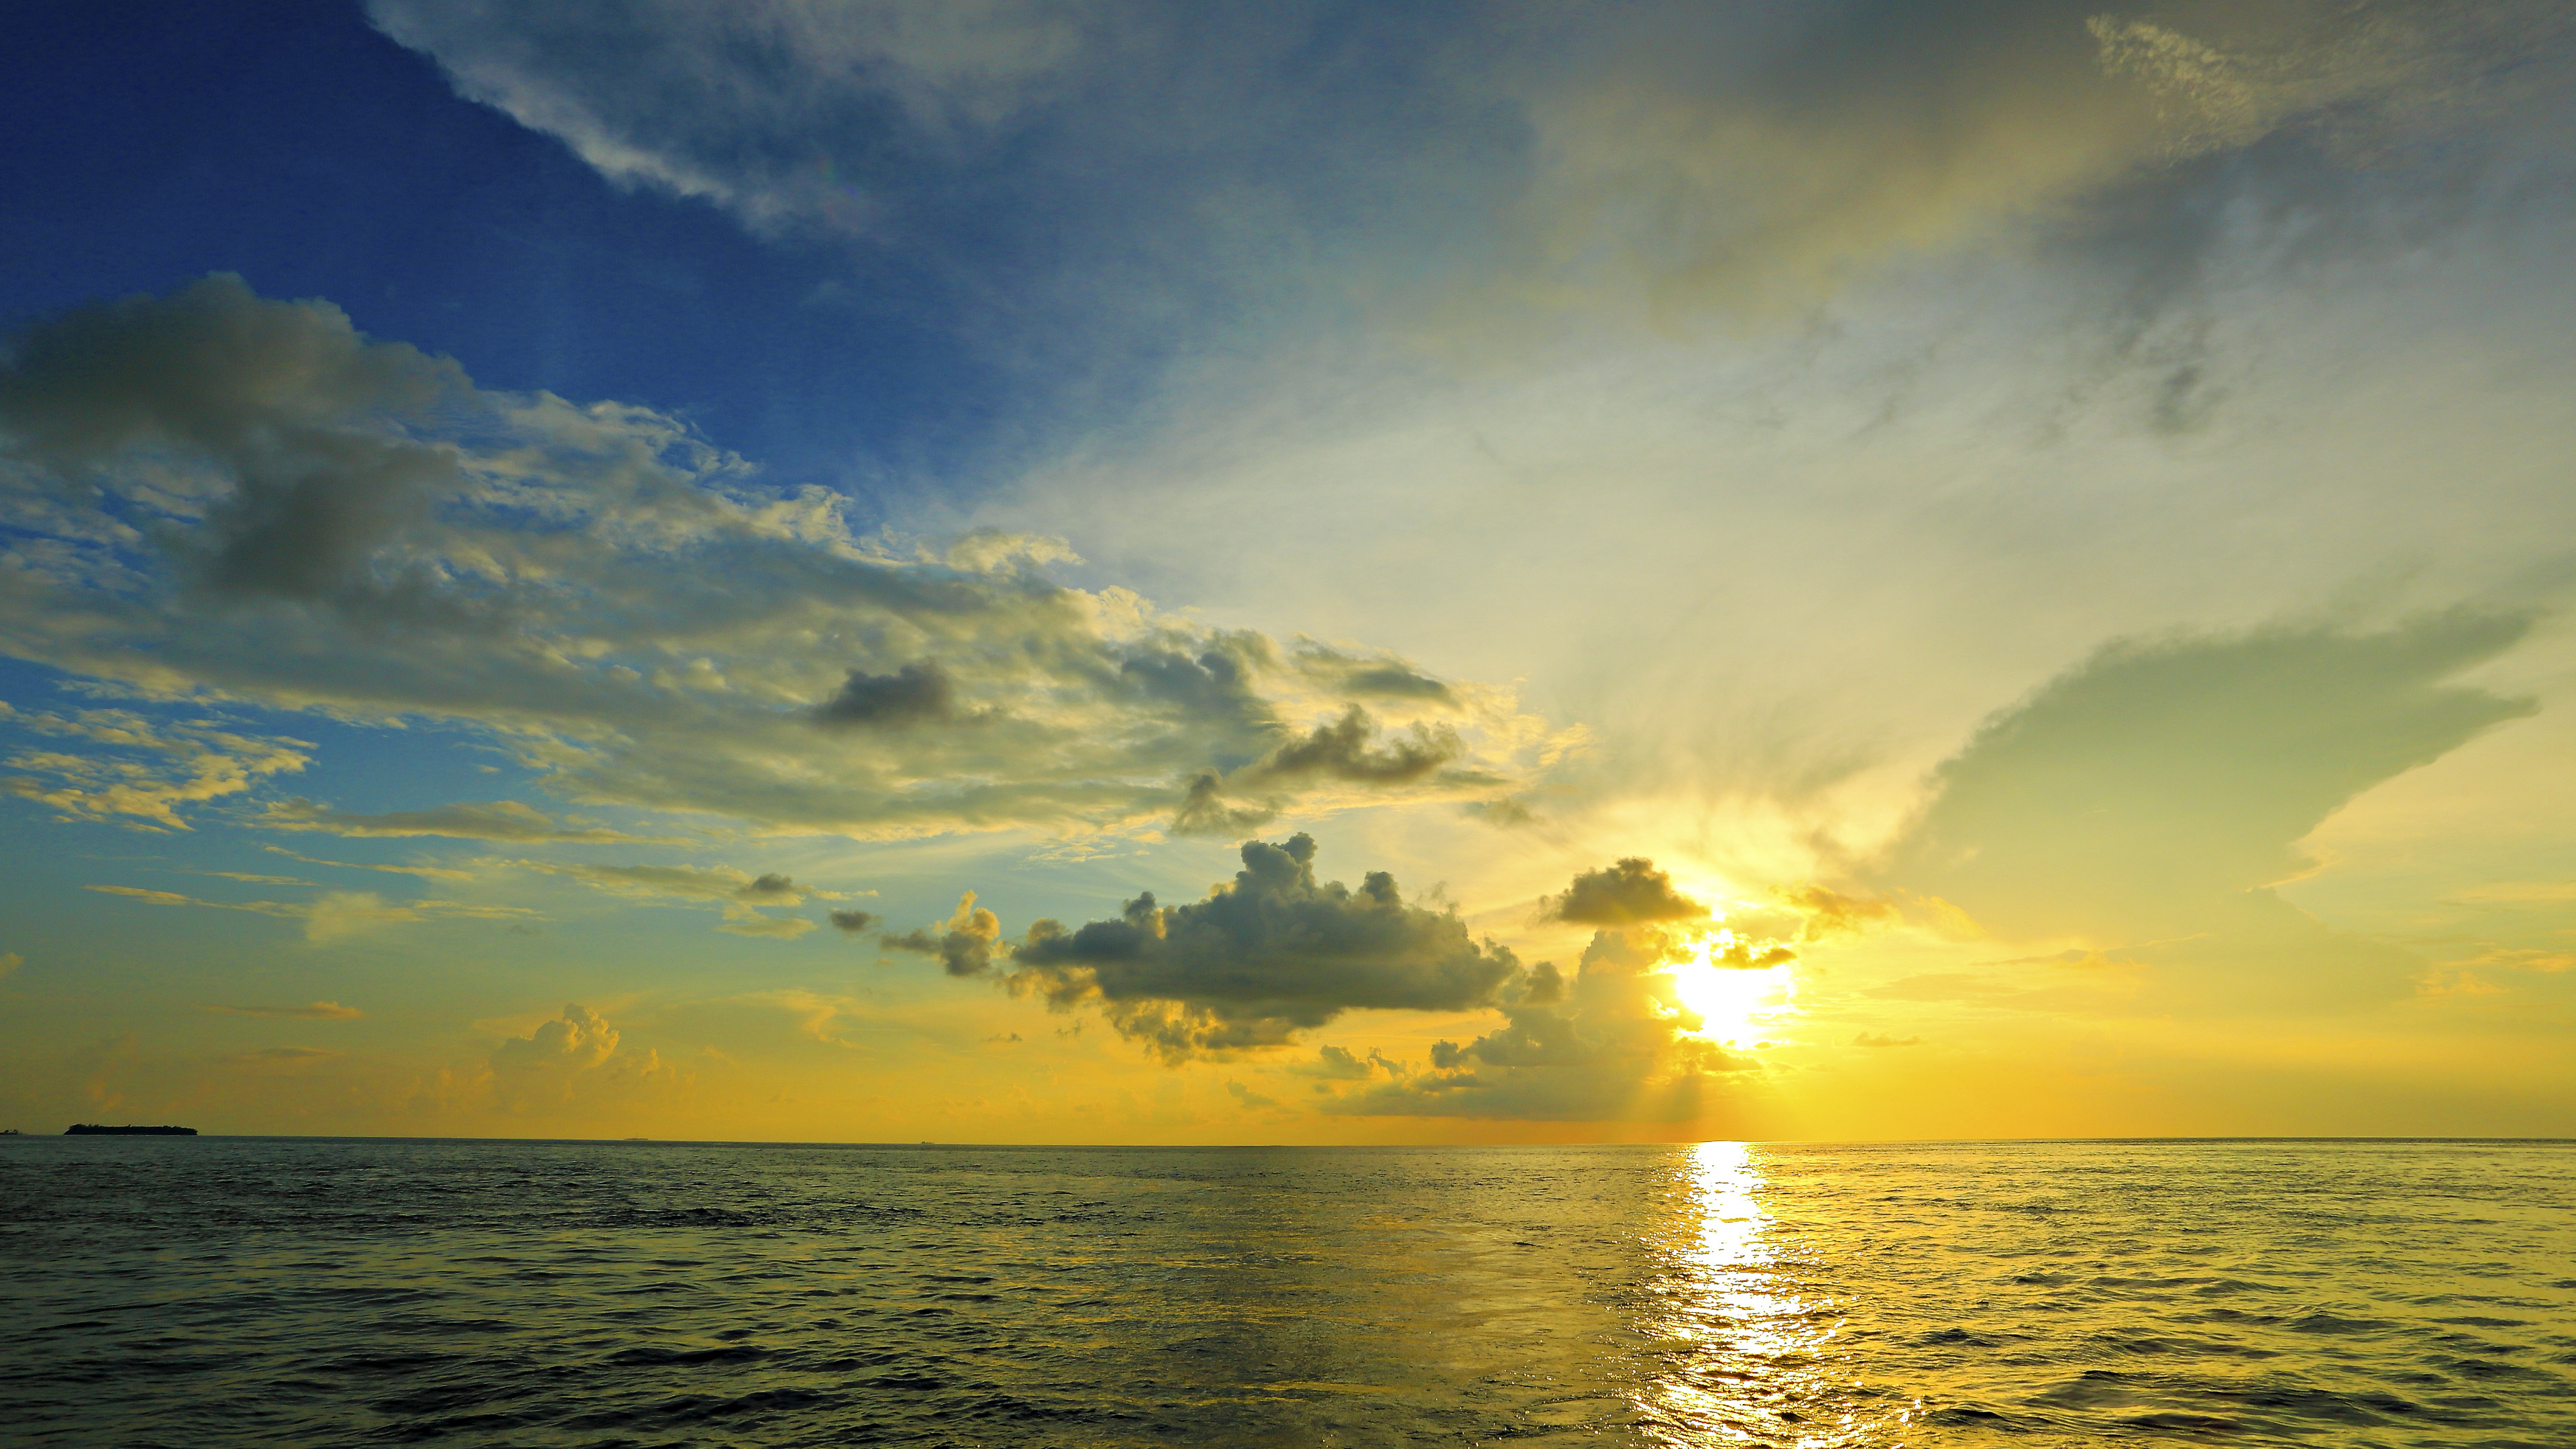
(310, 1011)
(743, 896)
(330, 916)
(496, 820)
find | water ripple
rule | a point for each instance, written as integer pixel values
(267, 1291)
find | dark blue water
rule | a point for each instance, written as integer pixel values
(242, 1290)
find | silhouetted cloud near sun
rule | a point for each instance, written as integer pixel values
(1627, 893)
(1259, 960)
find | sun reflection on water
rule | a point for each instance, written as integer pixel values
(1761, 1358)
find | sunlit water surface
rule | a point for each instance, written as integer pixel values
(244, 1290)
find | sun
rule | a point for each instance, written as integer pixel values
(1732, 1003)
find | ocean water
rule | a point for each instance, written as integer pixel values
(215, 1291)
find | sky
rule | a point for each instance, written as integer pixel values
(1114, 571)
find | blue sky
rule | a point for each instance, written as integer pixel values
(802, 570)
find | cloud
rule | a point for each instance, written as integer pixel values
(1611, 1048)
(290, 1056)
(10, 961)
(1631, 892)
(1339, 1064)
(1259, 960)
(742, 895)
(330, 916)
(2158, 790)
(2521, 958)
(1881, 1039)
(1363, 676)
(138, 771)
(1344, 751)
(776, 928)
(1661, 156)
(1247, 1097)
(466, 820)
(634, 614)
(918, 693)
(852, 922)
(964, 948)
(311, 1011)
(574, 1060)
(1824, 913)
(425, 872)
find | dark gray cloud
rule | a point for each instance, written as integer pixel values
(852, 922)
(1274, 953)
(1344, 751)
(311, 424)
(1205, 810)
(918, 693)
(965, 946)
(1630, 892)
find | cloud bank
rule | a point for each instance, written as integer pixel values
(247, 500)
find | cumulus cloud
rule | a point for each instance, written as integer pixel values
(966, 945)
(1345, 750)
(288, 513)
(1614, 1045)
(852, 922)
(572, 1060)
(1273, 953)
(1630, 892)
(310, 1011)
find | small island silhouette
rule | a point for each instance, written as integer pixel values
(92, 1129)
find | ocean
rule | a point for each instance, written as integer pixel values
(217, 1291)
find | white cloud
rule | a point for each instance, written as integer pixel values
(623, 607)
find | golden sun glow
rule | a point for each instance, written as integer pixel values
(1732, 1003)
